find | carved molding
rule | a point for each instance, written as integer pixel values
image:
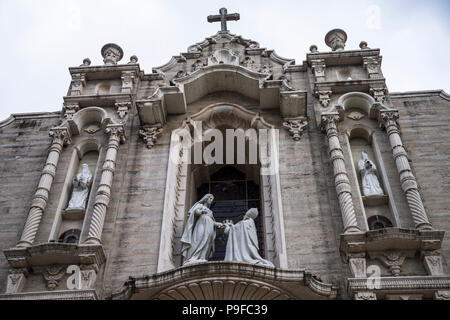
(433, 264)
(228, 280)
(150, 135)
(69, 109)
(295, 126)
(53, 274)
(123, 108)
(392, 259)
(358, 267)
(16, 280)
(324, 97)
(365, 295)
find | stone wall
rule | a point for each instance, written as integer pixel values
(24, 145)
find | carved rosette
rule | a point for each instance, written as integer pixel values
(116, 134)
(69, 110)
(78, 82)
(61, 136)
(324, 97)
(318, 68)
(388, 120)
(150, 135)
(342, 182)
(295, 127)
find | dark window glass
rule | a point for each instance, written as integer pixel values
(70, 236)
(233, 196)
(378, 222)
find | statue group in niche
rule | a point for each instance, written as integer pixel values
(370, 183)
(81, 184)
(197, 241)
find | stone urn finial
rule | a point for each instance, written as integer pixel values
(336, 39)
(313, 48)
(111, 53)
(133, 59)
(363, 45)
(86, 62)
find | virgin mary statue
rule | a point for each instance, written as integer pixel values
(242, 244)
(197, 242)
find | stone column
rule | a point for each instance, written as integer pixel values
(342, 183)
(388, 119)
(61, 136)
(116, 135)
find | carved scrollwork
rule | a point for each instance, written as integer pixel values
(150, 135)
(52, 275)
(295, 127)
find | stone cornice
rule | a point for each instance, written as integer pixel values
(55, 253)
(53, 295)
(391, 238)
(292, 284)
(333, 58)
(420, 93)
(99, 72)
(409, 284)
(31, 115)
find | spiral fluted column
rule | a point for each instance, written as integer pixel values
(388, 119)
(61, 136)
(342, 183)
(116, 135)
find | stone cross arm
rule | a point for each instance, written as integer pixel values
(223, 17)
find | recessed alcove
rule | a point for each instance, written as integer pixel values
(68, 217)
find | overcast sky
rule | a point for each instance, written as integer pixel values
(42, 38)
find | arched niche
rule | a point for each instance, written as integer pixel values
(358, 101)
(87, 151)
(90, 119)
(184, 173)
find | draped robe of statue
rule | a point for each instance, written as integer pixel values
(370, 183)
(242, 244)
(197, 242)
(81, 184)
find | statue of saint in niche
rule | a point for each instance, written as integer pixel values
(81, 184)
(242, 244)
(197, 242)
(370, 183)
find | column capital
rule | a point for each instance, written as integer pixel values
(116, 131)
(62, 134)
(328, 119)
(387, 118)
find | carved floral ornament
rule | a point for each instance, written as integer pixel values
(295, 127)
(150, 135)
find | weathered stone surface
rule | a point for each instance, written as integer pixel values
(131, 175)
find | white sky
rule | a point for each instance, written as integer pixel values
(41, 39)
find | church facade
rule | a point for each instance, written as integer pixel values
(350, 181)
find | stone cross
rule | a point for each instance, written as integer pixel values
(223, 17)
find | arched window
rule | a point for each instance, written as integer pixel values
(233, 194)
(70, 236)
(378, 222)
